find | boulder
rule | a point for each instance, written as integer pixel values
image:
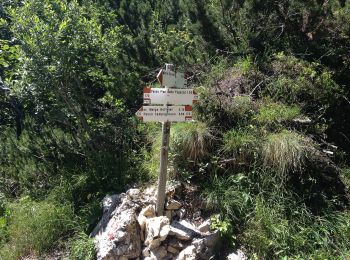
(172, 250)
(109, 203)
(145, 213)
(120, 238)
(181, 213)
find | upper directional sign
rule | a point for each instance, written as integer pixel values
(169, 96)
(165, 113)
(172, 79)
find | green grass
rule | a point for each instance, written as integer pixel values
(290, 231)
(286, 151)
(191, 141)
(271, 113)
(241, 143)
(35, 227)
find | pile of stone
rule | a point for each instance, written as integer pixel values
(130, 229)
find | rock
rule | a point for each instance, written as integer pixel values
(148, 211)
(181, 213)
(109, 203)
(197, 215)
(134, 193)
(145, 213)
(183, 230)
(205, 226)
(169, 214)
(173, 205)
(211, 239)
(121, 236)
(157, 230)
(189, 253)
(172, 188)
(178, 244)
(146, 252)
(172, 250)
(159, 253)
(239, 255)
(142, 221)
(169, 256)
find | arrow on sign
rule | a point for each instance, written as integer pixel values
(170, 79)
(169, 96)
(164, 114)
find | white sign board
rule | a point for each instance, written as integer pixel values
(169, 96)
(170, 79)
(164, 113)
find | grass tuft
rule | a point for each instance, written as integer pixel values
(191, 142)
(286, 151)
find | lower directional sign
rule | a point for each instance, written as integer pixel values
(165, 113)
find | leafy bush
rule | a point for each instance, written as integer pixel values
(295, 81)
(36, 227)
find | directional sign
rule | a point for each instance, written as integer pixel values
(165, 113)
(170, 79)
(169, 96)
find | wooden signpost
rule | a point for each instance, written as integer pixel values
(170, 103)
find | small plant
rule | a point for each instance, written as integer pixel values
(224, 226)
(82, 247)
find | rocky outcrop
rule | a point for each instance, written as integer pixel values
(130, 229)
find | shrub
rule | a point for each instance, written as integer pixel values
(286, 151)
(295, 81)
(36, 227)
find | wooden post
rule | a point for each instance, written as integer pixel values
(163, 167)
(163, 159)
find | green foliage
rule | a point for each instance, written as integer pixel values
(286, 151)
(228, 194)
(276, 113)
(75, 70)
(271, 233)
(298, 82)
(36, 227)
(82, 247)
(242, 144)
